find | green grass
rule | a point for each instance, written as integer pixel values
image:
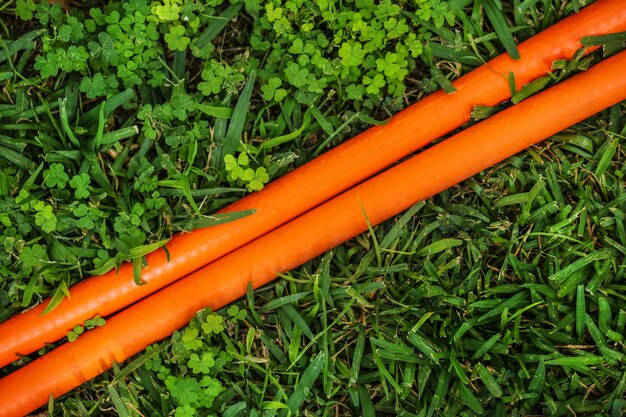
(501, 296)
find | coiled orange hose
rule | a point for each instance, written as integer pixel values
(313, 183)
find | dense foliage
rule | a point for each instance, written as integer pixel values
(129, 104)
(122, 123)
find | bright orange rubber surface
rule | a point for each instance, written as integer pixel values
(313, 233)
(313, 183)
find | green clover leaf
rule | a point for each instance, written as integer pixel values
(212, 83)
(393, 66)
(271, 90)
(212, 386)
(185, 411)
(297, 47)
(75, 58)
(185, 390)
(437, 10)
(355, 91)
(136, 214)
(232, 311)
(46, 219)
(163, 373)
(55, 176)
(109, 53)
(414, 45)
(85, 223)
(168, 11)
(297, 76)
(72, 31)
(231, 162)
(351, 54)
(81, 210)
(48, 65)
(80, 183)
(280, 94)
(97, 321)
(236, 173)
(85, 217)
(247, 174)
(49, 13)
(238, 169)
(236, 314)
(176, 39)
(273, 14)
(374, 84)
(259, 179)
(155, 362)
(243, 160)
(190, 339)
(181, 104)
(5, 220)
(213, 324)
(24, 9)
(395, 28)
(98, 86)
(32, 257)
(201, 365)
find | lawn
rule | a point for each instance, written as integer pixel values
(122, 123)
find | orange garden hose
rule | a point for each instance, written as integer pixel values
(322, 178)
(313, 233)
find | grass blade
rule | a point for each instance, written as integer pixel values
(498, 21)
(305, 384)
(489, 381)
(238, 120)
(204, 42)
